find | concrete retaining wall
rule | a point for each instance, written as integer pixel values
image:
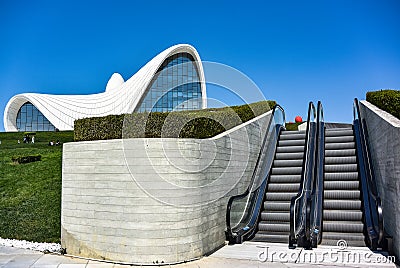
(154, 200)
(384, 139)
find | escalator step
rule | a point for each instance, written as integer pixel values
(342, 215)
(286, 170)
(275, 216)
(339, 139)
(340, 194)
(342, 204)
(289, 132)
(283, 187)
(283, 156)
(341, 185)
(343, 226)
(276, 206)
(262, 236)
(344, 152)
(290, 149)
(288, 163)
(336, 146)
(274, 227)
(341, 176)
(279, 196)
(284, 178)
(329, 160)
(341, 168)
(339, 132)
(334, 236)
(293, 136)
(289, 143)
(350, 243)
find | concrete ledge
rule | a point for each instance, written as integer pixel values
(384, 139)
(147, 200)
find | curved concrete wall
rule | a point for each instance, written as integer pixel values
(149, 200)
(384, 140)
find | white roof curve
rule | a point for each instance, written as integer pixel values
(119, 98)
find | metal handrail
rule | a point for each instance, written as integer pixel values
(298, 231)
(374, 215)
(317, 196)
(237, 236)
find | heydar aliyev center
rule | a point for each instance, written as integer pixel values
(171, 81)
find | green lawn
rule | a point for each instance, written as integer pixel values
(30, 194)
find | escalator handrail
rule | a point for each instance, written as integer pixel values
(318, 183)
(305, 168)
(370, 176)
(258, 162)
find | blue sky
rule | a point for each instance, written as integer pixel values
(295, 51)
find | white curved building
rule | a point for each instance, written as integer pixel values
(173, 80)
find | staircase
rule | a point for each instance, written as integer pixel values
(342, 210)
(283, 184)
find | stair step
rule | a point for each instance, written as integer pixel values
(283, 187)
(275, 216)
(339, 132)
(340, 152)
(340, 194)
(274, 227)
(287, 143)
(341, 185)
(341, 176)
(338, 146)
(343, 226)
(290, 149)
(286, 170)
(343, 236)
(342, 204)
(262, 236)
(342, 215)
(284, 178)
(276, 206)
(332, 160)
(293, 136)
(339, 139)
(341, 168)
(288, 163)
(279, 196)
(283, 156)
(290, 132)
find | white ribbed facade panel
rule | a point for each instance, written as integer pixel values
(119, 97)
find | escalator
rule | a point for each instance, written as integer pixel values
(342, 208)
(283, 184)
(345, 202)
(278, 178)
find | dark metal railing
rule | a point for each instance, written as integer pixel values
(370, 197)
(317, 190)
(242, 224)
(300, 204)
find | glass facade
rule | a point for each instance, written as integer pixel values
(176, 86)
(29, 118)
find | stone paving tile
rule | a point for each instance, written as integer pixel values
(96, 264)
(57, 259)
(19, 261)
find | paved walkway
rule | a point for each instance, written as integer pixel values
(238, 256)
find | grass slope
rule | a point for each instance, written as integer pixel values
(30, 194)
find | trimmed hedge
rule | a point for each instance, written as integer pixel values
(26, 159)
(387, 100)
(185, 124)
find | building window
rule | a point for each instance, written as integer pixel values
(29, 118)
(176, 86)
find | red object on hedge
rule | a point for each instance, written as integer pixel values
(298, 119)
